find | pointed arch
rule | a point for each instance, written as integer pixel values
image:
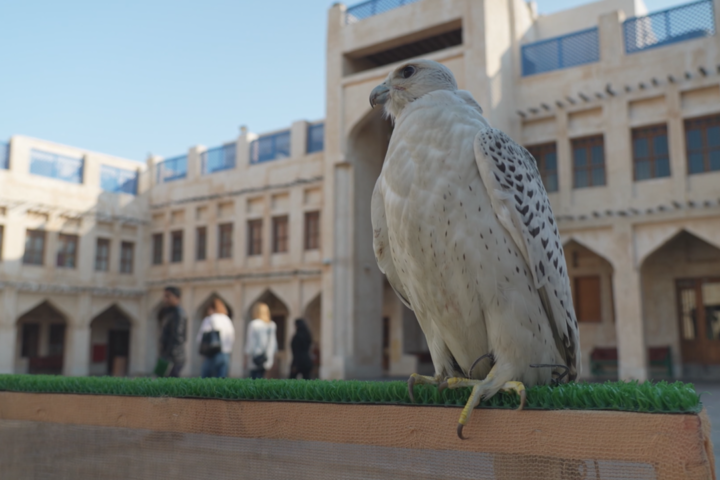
(201, 310)
(41, 340)
(110, 341)
(588, 242)
(49, 302)
(122, 307)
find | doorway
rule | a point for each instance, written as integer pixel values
(699, 305)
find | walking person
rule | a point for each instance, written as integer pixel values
(261, 343)
(217, 363)
(174, 328)
(301, 342)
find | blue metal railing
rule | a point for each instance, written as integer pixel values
(685, 22)
(56, 166)
(369, 8)
(172, 169)
(118, 180)
(4, 156)
(577, 48)
(316, 138)
(270, 147)
(218, 159)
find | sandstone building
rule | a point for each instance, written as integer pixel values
(620, 107)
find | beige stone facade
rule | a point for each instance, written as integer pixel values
(641, 238)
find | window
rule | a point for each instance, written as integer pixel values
(34, 247)
(546, 158)
(56, 166)
(67, 251)
(312, 230)
(157, 249)
(176, 246)
(587, 298)
(316, 138)
(225, 240)
(56, 343)
(102, 255)
(30, 340)
(218, 159)
(280, 234)
(201, 243)
(702, 138)
(126, 257)
(118, 180)
(650, 152)
(588, 161)
(171, 169)
(270, 147)
(255, 237)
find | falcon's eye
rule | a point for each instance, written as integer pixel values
(407, 71)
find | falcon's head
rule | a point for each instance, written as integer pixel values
(409, 82)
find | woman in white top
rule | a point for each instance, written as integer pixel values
(261, 343)
(217, 319)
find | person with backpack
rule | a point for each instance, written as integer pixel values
(261, 343)
(215, 339)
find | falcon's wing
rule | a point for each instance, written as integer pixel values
(381, 244)
(521, 203)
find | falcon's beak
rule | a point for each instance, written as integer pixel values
(379, 95)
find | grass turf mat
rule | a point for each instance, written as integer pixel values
(647, 397)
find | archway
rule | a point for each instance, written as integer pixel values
(367, 146)
(196, 321)
(591, 277)
(279, 313)
(681, 306)
(313, 318)
(41, 341)
(110, 343)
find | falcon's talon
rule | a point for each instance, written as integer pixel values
(459, 431)
(420, 379)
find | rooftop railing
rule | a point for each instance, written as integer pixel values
(172, 169)
(270, 147)
(218, 159)
(577, 48)
(4, 156)
(118, 180)
(59, 167)
(316, 138)
(677, 24)
(367, 9)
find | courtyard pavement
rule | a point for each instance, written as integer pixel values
(710, 398)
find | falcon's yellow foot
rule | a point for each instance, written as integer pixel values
(419, 380)
(479, 390)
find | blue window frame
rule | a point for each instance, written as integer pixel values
(218, 159)
(56, 166)
(651, 156)
(270, 147)
(316, 138)
(369, 8)
(588, 161)
(577, 48)
(677, 24)
(702, 141)
(118, 180)
(4, 156)
(172, 169)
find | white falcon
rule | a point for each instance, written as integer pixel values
(464, 232)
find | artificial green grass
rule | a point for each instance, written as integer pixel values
(647, 397)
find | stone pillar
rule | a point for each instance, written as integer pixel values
(194, 162)
(76, 361)
(237, 359)
(298, 139)
(612, 47)
(8, 329)
(628, 304)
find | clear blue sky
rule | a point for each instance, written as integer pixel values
(133, 77)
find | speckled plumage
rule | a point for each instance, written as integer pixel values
(464, 232)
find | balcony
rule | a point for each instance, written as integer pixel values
(270, 147)
(118, 180)
(364, 10)
(678, 24)
(218, 159)
(59, 167)
(172, 169)
(573, 49)
(316, 138)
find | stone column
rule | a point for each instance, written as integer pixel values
(628, 304)
(8, 329)
(76, 360)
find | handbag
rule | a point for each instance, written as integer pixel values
(210, 344)
(259, 360)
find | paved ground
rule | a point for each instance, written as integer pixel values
(710, 397)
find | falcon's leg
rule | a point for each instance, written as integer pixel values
(416, 379)
(481, 388)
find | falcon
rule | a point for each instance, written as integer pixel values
(464, 232)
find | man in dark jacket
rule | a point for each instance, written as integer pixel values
(174, 328)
